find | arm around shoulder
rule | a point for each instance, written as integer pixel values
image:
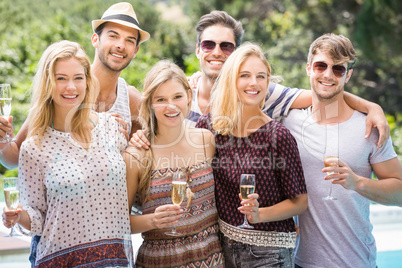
(375, 116)
(304, 100)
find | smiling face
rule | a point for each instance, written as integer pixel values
(326, 85)
(170, 103)
(211, 63)
(252, 82)
(70, 87)
(116, 46)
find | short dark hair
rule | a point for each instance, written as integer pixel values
(220, 18)
(99, 30)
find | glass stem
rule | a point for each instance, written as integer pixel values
(330, 189)
(245, 220)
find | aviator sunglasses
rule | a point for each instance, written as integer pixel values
(226, 47)
(338, 70)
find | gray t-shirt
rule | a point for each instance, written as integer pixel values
(335, 233)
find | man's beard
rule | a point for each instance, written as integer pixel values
(334, 94)
(212, 77)
(107, 65)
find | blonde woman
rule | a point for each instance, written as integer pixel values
(250, 142)
(71, 172)
(175, 147)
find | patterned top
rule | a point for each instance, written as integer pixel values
(199, 246)
(77, 199)
(277, 102)
(271, 154)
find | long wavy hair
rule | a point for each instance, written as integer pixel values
(41, 114)
(226, 106)
(159, 74)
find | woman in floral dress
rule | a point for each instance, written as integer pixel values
(175, 147)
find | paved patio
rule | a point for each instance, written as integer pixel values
(387, 230)
(13, 249)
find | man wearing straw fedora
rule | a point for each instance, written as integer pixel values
(116, 39)
(117, 36)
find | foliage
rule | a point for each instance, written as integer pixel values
(379, 34)
(396, 134)
(284, 28)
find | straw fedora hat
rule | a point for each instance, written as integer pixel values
(122, 13)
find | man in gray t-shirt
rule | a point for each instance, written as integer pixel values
(337, 232)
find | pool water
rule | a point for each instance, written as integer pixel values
(389, 259)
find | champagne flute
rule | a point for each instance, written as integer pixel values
(332, 164)
(331, 151)
(247, 186)
(12, 197)
(179, 184)
(5, 106)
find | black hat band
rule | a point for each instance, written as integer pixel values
(122, 17)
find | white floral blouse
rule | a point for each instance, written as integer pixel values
(77, 199)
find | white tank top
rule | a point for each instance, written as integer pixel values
(122, 103)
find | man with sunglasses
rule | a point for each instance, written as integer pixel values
(337, 232)
(218, 35)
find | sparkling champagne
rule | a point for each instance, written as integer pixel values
(245, 190)
(178, 190)
(326, 164)
(5, 106)
(12, 196)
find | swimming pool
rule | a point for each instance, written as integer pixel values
(387, 222)
(389, 259)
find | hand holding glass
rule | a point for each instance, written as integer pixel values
(332, 164)
(247, 186)
(5, 106)
(12, 197)
(179, 183)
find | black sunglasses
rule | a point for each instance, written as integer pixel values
(338, 70)
(226, 47)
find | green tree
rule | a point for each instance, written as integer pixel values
(27, 29)
(284, 28)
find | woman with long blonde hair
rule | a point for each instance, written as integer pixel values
(42, 112)
(72, 177)
(249, 142)
(176, 147)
